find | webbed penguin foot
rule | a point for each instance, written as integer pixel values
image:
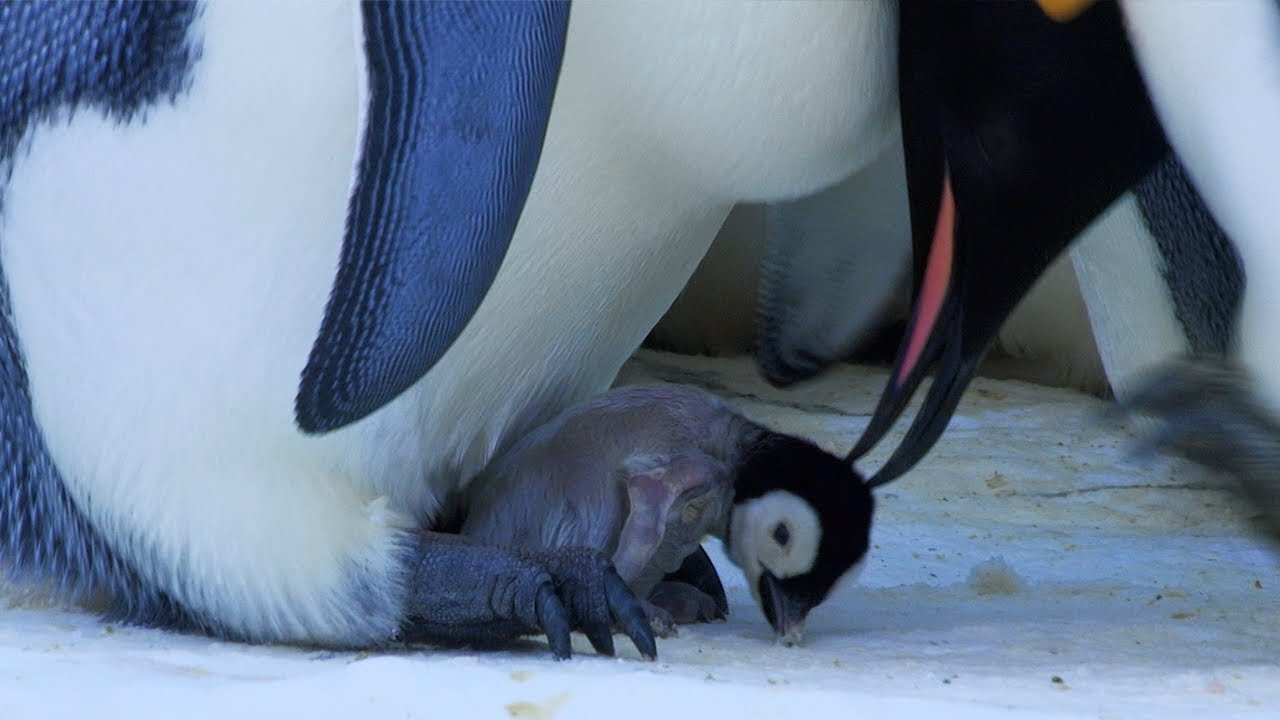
(467, 592)
(1210, 415)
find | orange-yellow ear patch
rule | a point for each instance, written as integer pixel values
(1064, 10)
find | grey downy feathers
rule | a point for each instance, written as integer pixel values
(644, 473)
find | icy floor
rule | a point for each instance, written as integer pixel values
(1026, 569)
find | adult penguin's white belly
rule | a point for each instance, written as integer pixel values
(664, 117)
(168, 279)
(1212, 70)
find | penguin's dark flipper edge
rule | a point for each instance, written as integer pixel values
(459, 99)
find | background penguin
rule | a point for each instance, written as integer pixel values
(1159, 277)
(645, 473)
(804, 283)
(824, 279)
(1009, 154)
(997, 177)
(181, 185)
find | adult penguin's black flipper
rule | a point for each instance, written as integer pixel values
(1018, 131)
(459, 98)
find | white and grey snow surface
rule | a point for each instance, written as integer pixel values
(1028, 568)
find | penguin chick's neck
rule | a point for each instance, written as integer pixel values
(757, 457)
(740, 437)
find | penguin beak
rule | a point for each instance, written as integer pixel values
(1064, 10)
(785, 612)
(1017, 132)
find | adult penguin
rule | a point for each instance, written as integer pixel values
(1009, 154)
(208, 423)
(1211, 71)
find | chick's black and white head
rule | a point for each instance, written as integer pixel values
(800, 525)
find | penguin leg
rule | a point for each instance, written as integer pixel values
(693, 593)
(1212, 414)
(681, 604)
(471, 593)
(661, 621)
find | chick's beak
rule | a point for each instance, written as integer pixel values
(784, 611)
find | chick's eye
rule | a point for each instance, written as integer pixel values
(781, 534)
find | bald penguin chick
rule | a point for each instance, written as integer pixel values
(644, 473)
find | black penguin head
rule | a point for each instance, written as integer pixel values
(1018, 130)
(800, 523)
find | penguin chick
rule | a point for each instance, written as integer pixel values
(644, 473)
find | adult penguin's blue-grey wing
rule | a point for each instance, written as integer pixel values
(459, 96)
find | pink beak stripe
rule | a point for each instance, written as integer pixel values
(937, 279)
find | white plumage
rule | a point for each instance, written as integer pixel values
(1213, 71)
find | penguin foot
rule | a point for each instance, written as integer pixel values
(660, 621)
(684, 604)
(700, 573)
(476, 594)
(1210, 415)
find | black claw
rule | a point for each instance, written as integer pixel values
(470, 593)
(601, 638)
(595, 598)
(629, 614)
(554, 619)
(586, 601)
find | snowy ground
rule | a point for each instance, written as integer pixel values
(1025, 569)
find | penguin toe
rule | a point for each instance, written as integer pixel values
(470, 593)
(598, 599)
(554, 620)
(661, 621)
